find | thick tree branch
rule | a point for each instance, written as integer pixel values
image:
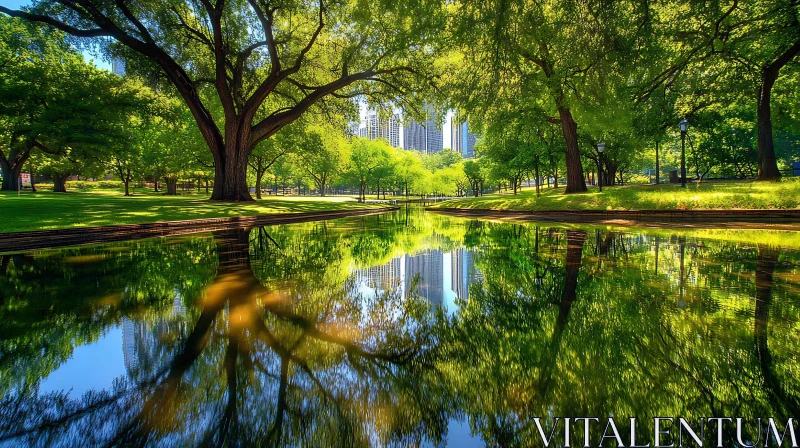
(96, 32)
(176, 74)
(271, 124)
(136, 22)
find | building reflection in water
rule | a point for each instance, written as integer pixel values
(424, 274)
(140, 336)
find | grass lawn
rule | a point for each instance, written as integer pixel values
(707, 195)
(46, 210)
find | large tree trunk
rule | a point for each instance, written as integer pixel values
(259, 176)
(230, 165)
(10, 175)
(610, 175)
(127, 183)
(322, 186)
(575, 182)
(767, 163)
(172, 186)
(33, 181)
(11, 169)
(60, 182)
(658, 167)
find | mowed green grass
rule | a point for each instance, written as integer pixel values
(707, 195)
(47, 210)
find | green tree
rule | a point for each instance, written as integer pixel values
(323, 155)
(546, 54)
(734, 49)
(268, 62)
(52, 101)
(409, 171)
(476, 174)
(365, 158)
(267, 153)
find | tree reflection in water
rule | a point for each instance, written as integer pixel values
(277, 346)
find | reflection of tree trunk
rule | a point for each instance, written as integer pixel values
(276, 433)
(765, 267)
(575, 241)
(606, 243)
(682, 245)
(229, 417)
(234, 279)
(657, 255)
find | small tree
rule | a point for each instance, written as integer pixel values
(322, 156)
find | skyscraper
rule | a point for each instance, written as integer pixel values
(118, 66)
(414, 137)
(462, 141)
(427, 269)
(426, 138)
(376, 126)
(463, 272)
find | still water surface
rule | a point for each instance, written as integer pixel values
(401, 329)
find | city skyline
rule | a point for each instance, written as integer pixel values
(426, 138)
(437, 276)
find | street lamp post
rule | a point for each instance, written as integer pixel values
(600, 147)
(684, 126)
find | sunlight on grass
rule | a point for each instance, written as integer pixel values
(708, 195)
(47, 210)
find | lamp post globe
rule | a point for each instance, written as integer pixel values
(600, 147)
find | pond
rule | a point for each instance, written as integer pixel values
(399, 329)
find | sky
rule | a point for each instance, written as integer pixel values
(99, 62)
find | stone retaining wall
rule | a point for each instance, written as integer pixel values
(770, 216)
(21, 241)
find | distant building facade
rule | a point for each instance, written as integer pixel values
(426, 137)
(376, 126)
(461, 140)
(118, 66)
(422, 274)
(463, 272)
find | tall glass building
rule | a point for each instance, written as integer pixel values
(462, 140)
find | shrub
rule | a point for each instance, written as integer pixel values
(85, 185)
